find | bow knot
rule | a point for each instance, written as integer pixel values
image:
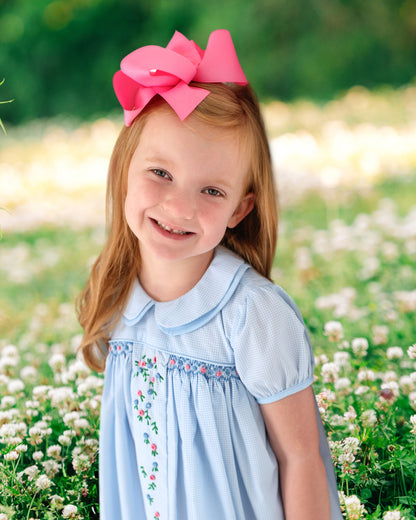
(153, 70)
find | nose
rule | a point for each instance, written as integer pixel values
(179, 205)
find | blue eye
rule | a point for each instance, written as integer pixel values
(213, 192)
(160, 173)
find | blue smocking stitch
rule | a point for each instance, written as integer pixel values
(208, 370)
(120, 347)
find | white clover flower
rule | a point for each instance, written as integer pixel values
(80, 462)
(15, 385)
(329, 372)
(37, 455)
(393, 515)
(51, 467)
(63, 394)
(57, 362)
(359, 346)
(41, 392)
(8, 401)
(406, 384)
(343, 384)
(32, 472)
(355, 510)
(57, 502)
(412, 400)
(21, 448)
(361, 390)
(337, 420)
(390, 250)
(334, 330)
(346, 458)
(77, 369)
(406, 300)
(64, 440)
(70, 417)
(380, 334)
(3, 516)
(89, 404)
(81, 424)
(4, 379)
(321, 359)
(394, 353)
(69, 511)
(390, 375)
(366, 375)
(351, 443)
(43, 482)
(413, 423)
(54, 452)
(342, 359)
(369, 418)
(10, 351)
(28, 373)
(12, 455)
(36, 435)
(350, 416)
(411, 351)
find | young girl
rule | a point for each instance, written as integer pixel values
(208, 410)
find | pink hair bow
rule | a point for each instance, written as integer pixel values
(152, 70)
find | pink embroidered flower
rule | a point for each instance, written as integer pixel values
(152, 477)
(157, 515)
(119, 347)
(203, 370)
(143, 363)
(141, 413)
(172, 362)
(139, 393)
(154, 447)
(152, 379)
(187, 366)
(219, 373)
(154, 359)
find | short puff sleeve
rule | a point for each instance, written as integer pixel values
(272, 350)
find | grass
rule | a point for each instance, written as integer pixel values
(346, 254)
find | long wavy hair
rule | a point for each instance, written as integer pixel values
(102, 301)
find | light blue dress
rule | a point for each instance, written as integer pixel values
(182, 435)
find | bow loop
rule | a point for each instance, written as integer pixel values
(152, 70)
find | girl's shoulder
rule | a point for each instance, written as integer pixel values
(255, 291)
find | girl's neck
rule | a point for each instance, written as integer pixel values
(167, 281)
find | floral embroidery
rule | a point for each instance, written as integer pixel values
(120, 347)
(208, 370)
(147, 373)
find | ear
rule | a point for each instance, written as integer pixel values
(244, 207)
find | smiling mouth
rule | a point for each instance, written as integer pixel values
(171, 230)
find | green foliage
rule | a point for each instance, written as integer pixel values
(1, 103)
(60, 55)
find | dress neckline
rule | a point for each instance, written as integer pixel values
(199, 304)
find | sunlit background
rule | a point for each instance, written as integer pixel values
(336, 81)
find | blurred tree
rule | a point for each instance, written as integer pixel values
(59, 56)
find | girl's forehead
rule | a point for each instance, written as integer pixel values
(163, 122)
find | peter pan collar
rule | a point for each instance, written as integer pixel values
(196, 307)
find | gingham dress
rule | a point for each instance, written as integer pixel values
(182, 435)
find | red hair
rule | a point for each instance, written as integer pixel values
(103, 299)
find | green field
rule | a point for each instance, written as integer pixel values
(346, 254)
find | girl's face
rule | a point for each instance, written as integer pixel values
(186, 185)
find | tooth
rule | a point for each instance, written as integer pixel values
(174, 231)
